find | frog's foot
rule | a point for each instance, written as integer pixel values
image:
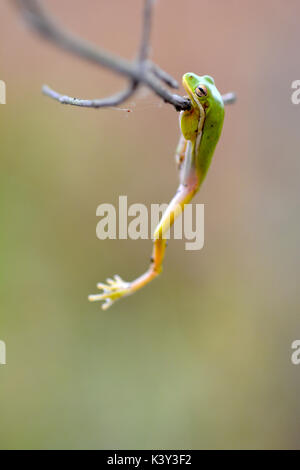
(112, 291)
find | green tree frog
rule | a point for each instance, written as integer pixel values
(201, 128)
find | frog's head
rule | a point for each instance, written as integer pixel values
(200, 89)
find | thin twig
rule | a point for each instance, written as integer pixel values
(43, 23)
(114, 100)
(145, 38)
(163, 75)
(140, 71)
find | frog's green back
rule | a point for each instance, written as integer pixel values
(212, 128)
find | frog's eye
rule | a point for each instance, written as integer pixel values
(201, 91)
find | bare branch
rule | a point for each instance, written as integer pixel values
(163, 75)
(139, 72)
(40, 21)
(145, 39)
(113, 100)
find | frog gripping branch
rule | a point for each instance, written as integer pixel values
(201, 128)
(201, 121)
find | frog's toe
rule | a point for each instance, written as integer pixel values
(112, 291)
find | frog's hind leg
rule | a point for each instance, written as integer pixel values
(117, 288)
(180, 153)
(187, 189)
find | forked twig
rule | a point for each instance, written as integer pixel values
(140, 71)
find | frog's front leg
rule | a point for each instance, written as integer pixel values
(117, 288)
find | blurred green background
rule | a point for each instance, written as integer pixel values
(201, 357)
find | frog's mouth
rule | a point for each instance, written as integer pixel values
(187, 88)
(192, 96)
